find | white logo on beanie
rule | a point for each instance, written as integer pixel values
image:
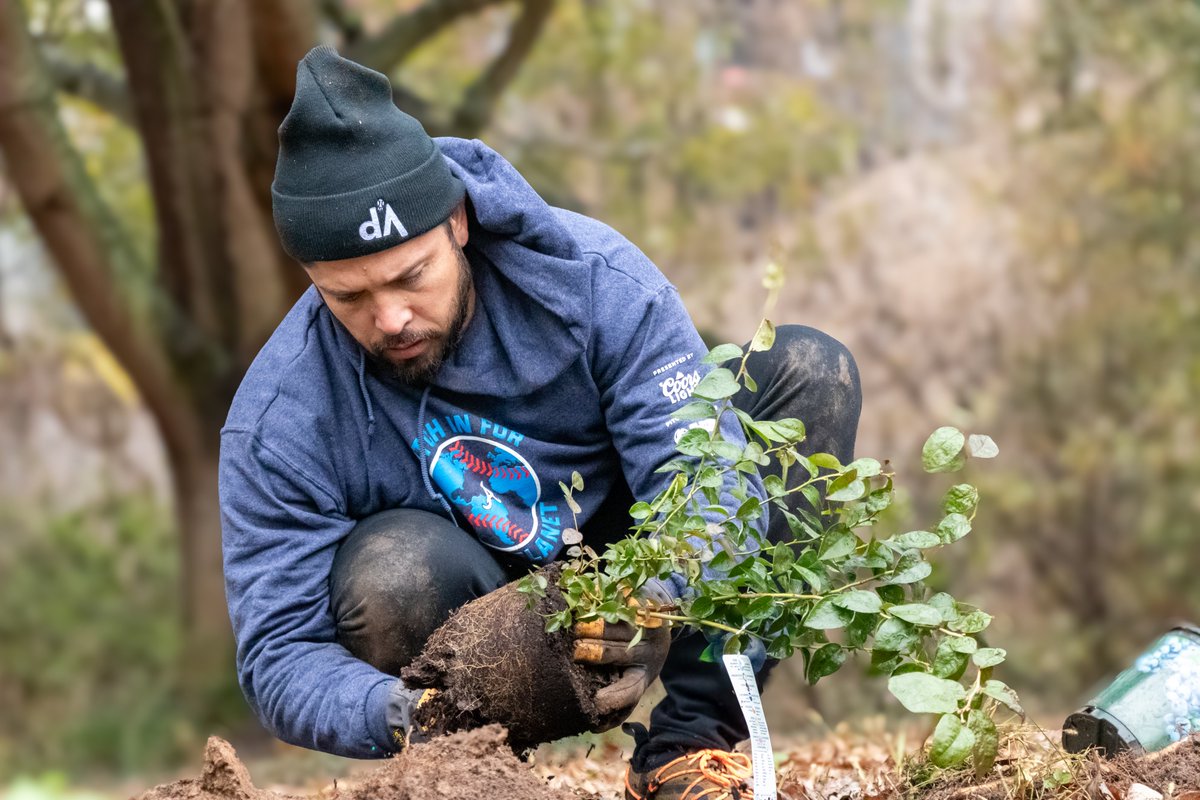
(370, 229)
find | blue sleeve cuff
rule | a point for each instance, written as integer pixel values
(376, 710)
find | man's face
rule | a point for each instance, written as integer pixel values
(407, 306)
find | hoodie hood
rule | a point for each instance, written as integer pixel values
(532, 280)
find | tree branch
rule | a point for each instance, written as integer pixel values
(173, 112)
(103, 89)
(283, 31)
(408, 31)
(480, 99)
(89, 246)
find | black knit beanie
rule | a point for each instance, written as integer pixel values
(355, 174)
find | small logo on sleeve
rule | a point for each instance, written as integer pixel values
(679, 388)
(391, 223)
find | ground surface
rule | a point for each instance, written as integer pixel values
(839, 766)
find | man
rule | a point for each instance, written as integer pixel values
(394, 450)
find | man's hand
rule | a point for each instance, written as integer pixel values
(601, 643)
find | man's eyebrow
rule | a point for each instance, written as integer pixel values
(409, 270)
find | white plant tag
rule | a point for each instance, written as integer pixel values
(741, 675)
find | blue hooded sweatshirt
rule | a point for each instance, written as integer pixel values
(577, 353)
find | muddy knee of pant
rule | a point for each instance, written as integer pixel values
(397, 577)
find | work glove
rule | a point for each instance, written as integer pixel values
(606, 644)
(403, 703)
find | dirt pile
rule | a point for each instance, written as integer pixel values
(493, 662)
(470, 765)
(463, 766)
(224, 778)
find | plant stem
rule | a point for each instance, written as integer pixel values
(692, 621)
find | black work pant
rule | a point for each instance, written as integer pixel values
(400, 573)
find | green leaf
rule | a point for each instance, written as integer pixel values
(917, 614)
(637, 637)
(749, 510)
(726, 450)
(944, 603)
(981, 446)
(722, 560)
(577, 481)
(826, 460)
(922, 693)
(697, 409)
(910, 569)
(951, 743)
(948, 662)
(859, 600)
(891, 594)
(640, 511)
(865, 467)
(953, 527)
(961, 498)
(884, 662)
(701, 607)
(989, 657)
(914, 540)
(716, 385)
(879, 499)
(848, 493)
(838, 543)
(774, 486)
(764, 337)
(750, 383)
(971, 623)
(943, 450)
(962, 644)
(987, 742)
(1001, 693)
(858, 631)
(896, 635)
(825, 661)
(722, 353)
(826, 616)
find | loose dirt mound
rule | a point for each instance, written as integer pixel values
(493, 662)
(224, 778)
(463, 766)
(470, 765)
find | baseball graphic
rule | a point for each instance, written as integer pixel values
(493, 486)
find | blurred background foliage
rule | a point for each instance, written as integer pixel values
(993, 204)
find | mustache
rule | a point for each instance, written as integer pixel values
(404, 339)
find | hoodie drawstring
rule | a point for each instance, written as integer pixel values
(425, 462)
(362, 387)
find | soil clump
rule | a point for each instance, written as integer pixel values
(463, 766)
(493, 662)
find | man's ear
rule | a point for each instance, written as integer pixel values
(458, 223)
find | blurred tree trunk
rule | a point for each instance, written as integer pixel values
(205, 87)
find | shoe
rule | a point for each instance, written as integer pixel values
(699, 775)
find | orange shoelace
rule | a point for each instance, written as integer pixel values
(726, 771)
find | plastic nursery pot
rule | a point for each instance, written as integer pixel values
(1150, 705)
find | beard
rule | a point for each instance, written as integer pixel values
(421, 369)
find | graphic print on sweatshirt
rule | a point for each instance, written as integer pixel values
(478, 467)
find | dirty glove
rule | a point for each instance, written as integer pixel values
(402, 706)
(606, 644)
